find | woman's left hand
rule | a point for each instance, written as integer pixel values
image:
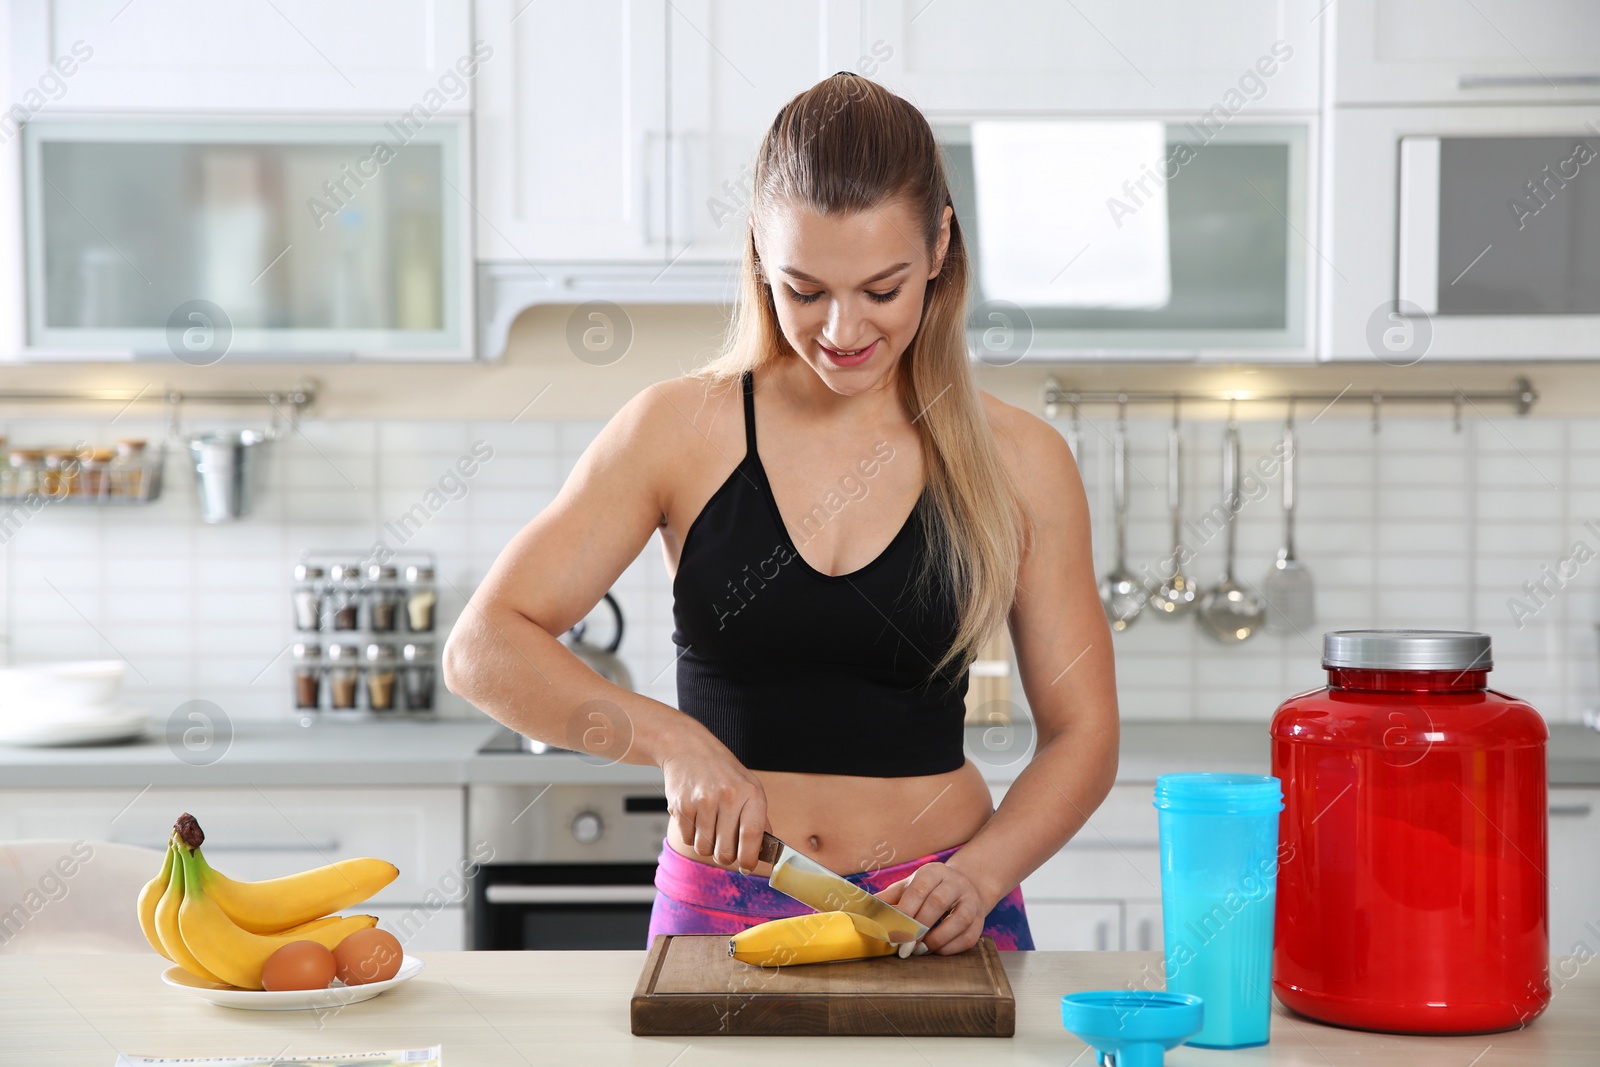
(944, 899)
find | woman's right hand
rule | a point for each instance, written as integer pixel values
(717, 805)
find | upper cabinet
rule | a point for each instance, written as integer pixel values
(288, 55)
(572, 131)
(731, 66)
(1466, 51)
(961, 56)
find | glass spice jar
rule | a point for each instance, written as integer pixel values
(307, 596)
(421, 598)
(380, 676)
(127, 469)
(344, 675)
(344, 596)
(27, 465)
(419, 675)
(307, 675)
(383, 598)
(59, 475)
(95, 473)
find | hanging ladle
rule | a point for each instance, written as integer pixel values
(1176, 595)
(1122, 594)
(1228, 612)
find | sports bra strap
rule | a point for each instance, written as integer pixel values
(749, 413)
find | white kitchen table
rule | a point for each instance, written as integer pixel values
(504, 1009)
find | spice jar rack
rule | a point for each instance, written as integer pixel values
(365, 635)
(129, 473)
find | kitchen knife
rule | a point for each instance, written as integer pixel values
(813, 885)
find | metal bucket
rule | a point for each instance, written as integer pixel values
(223, 467)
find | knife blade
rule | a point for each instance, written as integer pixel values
(803, 878)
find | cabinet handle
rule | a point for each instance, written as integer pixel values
(1580, 811)
(1523, 81)
(1102, 936)
(570, 894)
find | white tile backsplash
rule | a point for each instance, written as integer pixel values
(1415, 525)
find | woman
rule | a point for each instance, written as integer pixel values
(833, 574)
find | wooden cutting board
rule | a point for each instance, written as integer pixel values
(691, 986)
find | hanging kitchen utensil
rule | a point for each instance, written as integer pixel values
(1075, 433)
(1289, 591)
(1229, 613)
(602, 659)
(1175, 596)
(1122, 594)
(224, 464)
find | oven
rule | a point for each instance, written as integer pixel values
(567, 865)
(1465, 233)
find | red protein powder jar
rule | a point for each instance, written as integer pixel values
(1412, 854)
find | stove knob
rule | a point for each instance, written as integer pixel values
(587, 827)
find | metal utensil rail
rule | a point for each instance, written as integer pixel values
(1521, 398)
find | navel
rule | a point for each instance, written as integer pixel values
(816, 842)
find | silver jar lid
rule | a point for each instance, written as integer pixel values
(417, 651)
(380, 653)
(1407, 650)
(419, 573)
(343, 653)
(381, 572)
(344, 572)
(305, 572)
(306, 651)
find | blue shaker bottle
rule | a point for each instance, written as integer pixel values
(1219, 879)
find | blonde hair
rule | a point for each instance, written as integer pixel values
(848, 145)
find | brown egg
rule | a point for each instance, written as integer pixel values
(367, 956)
(298, 965)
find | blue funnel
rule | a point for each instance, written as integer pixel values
(1128, 1028)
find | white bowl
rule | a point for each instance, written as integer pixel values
(71, 684)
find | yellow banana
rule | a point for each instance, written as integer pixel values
(166, 919)
(149, 897)
(235, 953)
(818, 938)
(274, 905)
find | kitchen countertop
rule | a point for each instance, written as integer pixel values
(262, 753)
(508, 1009)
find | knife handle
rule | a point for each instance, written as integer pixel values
(771, 847)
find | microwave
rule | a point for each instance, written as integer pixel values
(1138, 237)
(1465, 233)
(251, 239)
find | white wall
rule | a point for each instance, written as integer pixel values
(1416, 526)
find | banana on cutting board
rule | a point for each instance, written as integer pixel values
(821, 937)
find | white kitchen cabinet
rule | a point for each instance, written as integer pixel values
(422, 929)
(961, 56)
(1075, 926)
(265, 833)
(571, 124)
(1096, 893)
(1466, 51)
(1574, 872)
(1141, 926)
(289, 55)
(732, 65)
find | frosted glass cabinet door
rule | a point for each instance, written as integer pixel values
(196, 241)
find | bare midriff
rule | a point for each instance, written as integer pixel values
(851, 824)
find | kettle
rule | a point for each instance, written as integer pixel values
(603, 660)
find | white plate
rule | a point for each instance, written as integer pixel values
(118, 724)
(335, 996)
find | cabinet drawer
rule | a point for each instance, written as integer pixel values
(264, 833)
(421, 929)
(1127, 819)
(1075, 926)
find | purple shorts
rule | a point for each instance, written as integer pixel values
(698, 898)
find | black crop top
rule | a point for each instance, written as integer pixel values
(796, 670)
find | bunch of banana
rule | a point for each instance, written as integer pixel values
(223, 930)
(821, 937)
